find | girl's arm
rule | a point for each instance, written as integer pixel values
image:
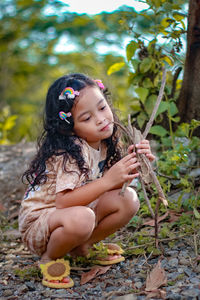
(124, 170)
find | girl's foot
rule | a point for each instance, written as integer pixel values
(82, 250)
(44, 259)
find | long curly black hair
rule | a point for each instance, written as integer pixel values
(58, 137)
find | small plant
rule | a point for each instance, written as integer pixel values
(28, 273)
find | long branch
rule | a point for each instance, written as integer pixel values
(159, 98)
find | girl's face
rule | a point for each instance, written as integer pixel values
(93, 118)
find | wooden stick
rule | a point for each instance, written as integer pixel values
(159, 98)
(147, 174)
(147, 199)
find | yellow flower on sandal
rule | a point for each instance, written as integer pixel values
(56, 274)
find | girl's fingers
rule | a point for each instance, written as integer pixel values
(151, 157)
(130, 149)
(143, 146)
(144, 151)
(133, 167)
(132, 176)
(131, 161)
(128, 157)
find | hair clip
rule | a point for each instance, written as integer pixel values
(99, 83)
(63, 116)
(68, 93)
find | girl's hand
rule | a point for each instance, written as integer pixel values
(143, 147)
(123, 171)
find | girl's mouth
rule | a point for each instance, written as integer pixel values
(105, 127)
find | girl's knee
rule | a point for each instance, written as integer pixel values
(132, 203)
(83, 223)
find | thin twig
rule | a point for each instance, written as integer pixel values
(156, 222)
(160, 95)
(195, 245)
(147, 199)
(160, 241)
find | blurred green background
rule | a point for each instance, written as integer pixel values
(41, 40)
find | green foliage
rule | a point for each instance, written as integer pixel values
(7, 122)
(30, 59)
(175, 163)
(157, 35)
(28, 273)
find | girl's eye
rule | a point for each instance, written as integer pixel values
(87, 119)
(103, 107)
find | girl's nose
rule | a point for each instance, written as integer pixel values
(99, 119)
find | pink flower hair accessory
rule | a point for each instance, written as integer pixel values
(63, 116)
(68, 93)
(99, 83)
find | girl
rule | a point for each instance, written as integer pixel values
(73, 201)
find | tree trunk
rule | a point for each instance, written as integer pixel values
(189, 98)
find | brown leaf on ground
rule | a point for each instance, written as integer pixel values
(156, 278)
(160, 294)
(152, 222)
(197, 258)
(94, 272)
(2, 208)
(174, 216)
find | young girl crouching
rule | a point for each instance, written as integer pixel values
(73, 200)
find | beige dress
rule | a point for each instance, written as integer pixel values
(38, 205)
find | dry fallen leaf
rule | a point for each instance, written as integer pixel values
(152, 222)
(2, 208)
(94, 272)
(156, 278)
(160, 294)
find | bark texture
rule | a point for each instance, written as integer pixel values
(189, 98)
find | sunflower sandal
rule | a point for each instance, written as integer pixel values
(56, 274)
(110, 254)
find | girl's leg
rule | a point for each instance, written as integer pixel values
(69, 228)
(113, 211)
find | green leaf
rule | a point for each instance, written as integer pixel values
(194, 124)
(162, 107)
(130, 49)
(196, 213)
(145, 65)
(115, 68)
(172, 109)
(158, 130)
(135, 63)
(183, 129)
(176, 119)
(166, 22)
(141, 118)
(147, 83)
(178, 17)
(142, 93)
(156, 3)
(150, 103)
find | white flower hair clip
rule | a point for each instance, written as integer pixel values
(68, 93)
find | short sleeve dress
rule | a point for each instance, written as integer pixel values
(39, 204)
